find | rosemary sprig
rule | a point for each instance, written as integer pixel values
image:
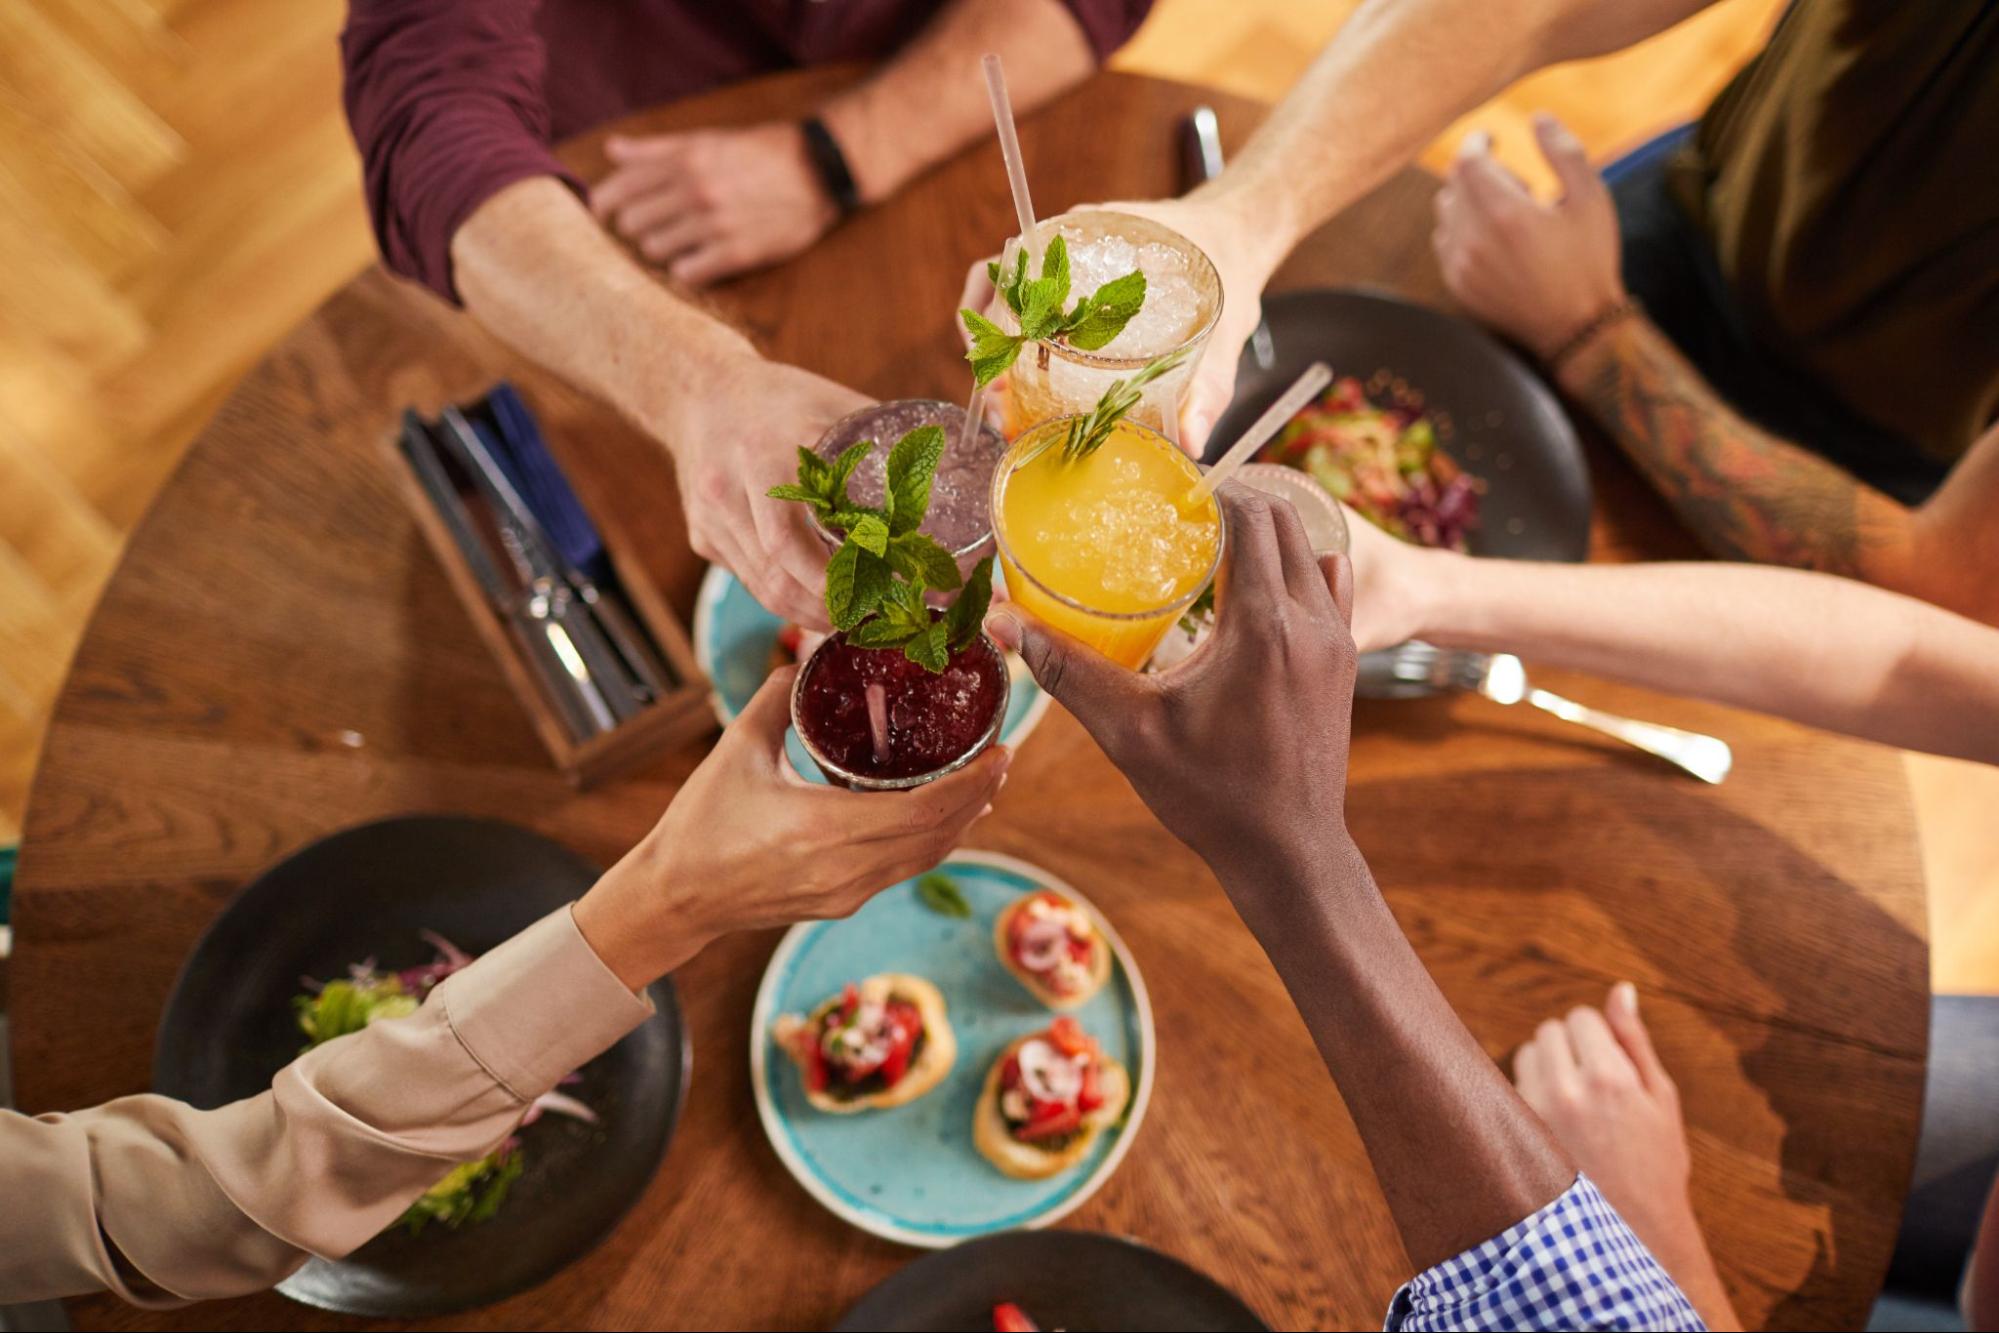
(1087, 434)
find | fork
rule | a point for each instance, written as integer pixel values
(1501, 678)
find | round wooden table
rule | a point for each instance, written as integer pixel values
(278, 656)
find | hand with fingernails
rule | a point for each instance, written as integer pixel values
(708, 204)
(1601, 1087)
(1537, 272)
(1263, 705)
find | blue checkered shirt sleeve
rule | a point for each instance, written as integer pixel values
(1573, 1265)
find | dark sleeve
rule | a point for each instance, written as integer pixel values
(1108, 24)
(445, 101)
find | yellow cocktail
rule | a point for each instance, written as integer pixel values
(1108, 547)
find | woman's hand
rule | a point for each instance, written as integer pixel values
(1240, 750)
(1396, 585)
(1536, 272)
(708, 204)
(748, 844)
(733, 440)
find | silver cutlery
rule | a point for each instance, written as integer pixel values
(1201, 160)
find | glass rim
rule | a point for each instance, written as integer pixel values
(862, 782)
(985, 425)
(1007, 467)
(1100, 361)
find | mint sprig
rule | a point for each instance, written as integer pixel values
(1037, 307)
(876, 580)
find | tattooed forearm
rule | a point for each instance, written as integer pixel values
(1745, 493)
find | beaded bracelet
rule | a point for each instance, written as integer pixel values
(1615, 313)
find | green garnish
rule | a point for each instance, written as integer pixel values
(470, 1193)
(1195, 618)
(940, 893)
(342, 1007)
(876, 579)
(1037, 306)
(1087, 434)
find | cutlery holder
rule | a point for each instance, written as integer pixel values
(675, 716)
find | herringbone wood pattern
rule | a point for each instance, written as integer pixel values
(177, 189)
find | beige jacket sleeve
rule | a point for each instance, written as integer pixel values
(165, 1204)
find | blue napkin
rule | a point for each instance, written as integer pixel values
(511, 433)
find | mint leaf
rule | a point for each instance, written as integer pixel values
(902, 604)
(941, 894)
(856, 583)
(993, 273)
(918, 558)
(843, 468)
(843, 521)
(931, 649)
(1012, 287)
(1102, 315)
(963, 621)
(790, 492)
(879, 633)
(912, 463)
(993, 349)
(870, 533)
(1041, 301)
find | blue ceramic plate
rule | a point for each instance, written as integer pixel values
(733, 639)
(911, 1174)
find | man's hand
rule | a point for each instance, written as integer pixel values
(1536, 272)
(709, 204)
(1240, 750)
(1241, 255)
(747, 844)
(731, 441)
(1599, 1085)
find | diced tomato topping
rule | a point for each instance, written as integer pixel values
(904, 1024)
(1092, 1095)
(1068, 1037)
(1010, 1072)
(850, 1000)
(1010, 1318)
(1079, 949)
(1061, 1120)
(812, 1060)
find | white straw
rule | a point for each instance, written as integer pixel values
(1016, 170)
(975, 414)
(878, 720)
(1307, 387)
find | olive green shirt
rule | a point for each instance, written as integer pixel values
(1848, 179)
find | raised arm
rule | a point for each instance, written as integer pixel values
(1265, 706)
(1394, 76)
(1546, 275)
(165, 1204)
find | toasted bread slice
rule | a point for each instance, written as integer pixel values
(1100, 957)
(926, 1071)
(1031, 1161)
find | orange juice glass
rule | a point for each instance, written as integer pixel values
(1109, 548)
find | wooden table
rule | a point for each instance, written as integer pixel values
(277, 657)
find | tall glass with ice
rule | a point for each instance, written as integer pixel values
(1183, 298)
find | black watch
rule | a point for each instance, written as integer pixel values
(831, 164)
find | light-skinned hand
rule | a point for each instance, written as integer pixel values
(1537, 272)
(733, 441)
(748, 844)
(709, 204)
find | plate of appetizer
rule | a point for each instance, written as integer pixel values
(738, 643)
(356, 929)
(1432, 428)
(972, 1052)
(1020, 1281)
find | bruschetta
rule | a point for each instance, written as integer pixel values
(1053, 948)
(881, 1042)
(1045, 1101)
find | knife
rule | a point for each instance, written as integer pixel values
(544, 658)
(1201, 162)
(600, 678)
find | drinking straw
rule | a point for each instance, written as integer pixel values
(878, 720)
(1301, 392)
(975, 412)
(1016, 170)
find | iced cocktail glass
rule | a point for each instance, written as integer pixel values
(1109, 548)
(937, 721)
(959, 518)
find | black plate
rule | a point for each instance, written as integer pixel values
(1506, 426)
(1060, 1279)
(365, 893)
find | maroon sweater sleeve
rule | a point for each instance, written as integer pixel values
(445, 101)
(1108, 24)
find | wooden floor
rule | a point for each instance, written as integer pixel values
(177, 189)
